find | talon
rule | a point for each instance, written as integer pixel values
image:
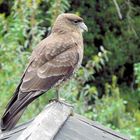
(52, 100)
(62, 101)
(65, 103)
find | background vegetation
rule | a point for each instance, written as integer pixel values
(107, 87)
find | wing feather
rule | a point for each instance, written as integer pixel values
(43, 73)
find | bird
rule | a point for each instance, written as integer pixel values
(55, 59)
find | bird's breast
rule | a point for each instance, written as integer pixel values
(78, 40)
(80, 50)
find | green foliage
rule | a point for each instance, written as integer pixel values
(57, 7)
(107, 86)
(137, 74)
(113, 105)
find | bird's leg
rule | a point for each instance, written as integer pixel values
(57, 99)
(57, 94)
(60, 100)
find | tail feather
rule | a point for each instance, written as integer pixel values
(16, 107)
(7, 122)
(14, 111)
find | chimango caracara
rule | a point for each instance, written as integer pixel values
(53, 61)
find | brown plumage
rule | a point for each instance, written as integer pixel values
(53, 61)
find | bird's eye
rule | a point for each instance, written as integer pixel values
(76, 21)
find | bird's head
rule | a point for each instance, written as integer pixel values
(69, 22)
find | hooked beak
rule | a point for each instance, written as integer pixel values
(83, 26)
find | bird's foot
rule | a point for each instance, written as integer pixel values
(61, 101)
(53, 100)
(65, 103)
